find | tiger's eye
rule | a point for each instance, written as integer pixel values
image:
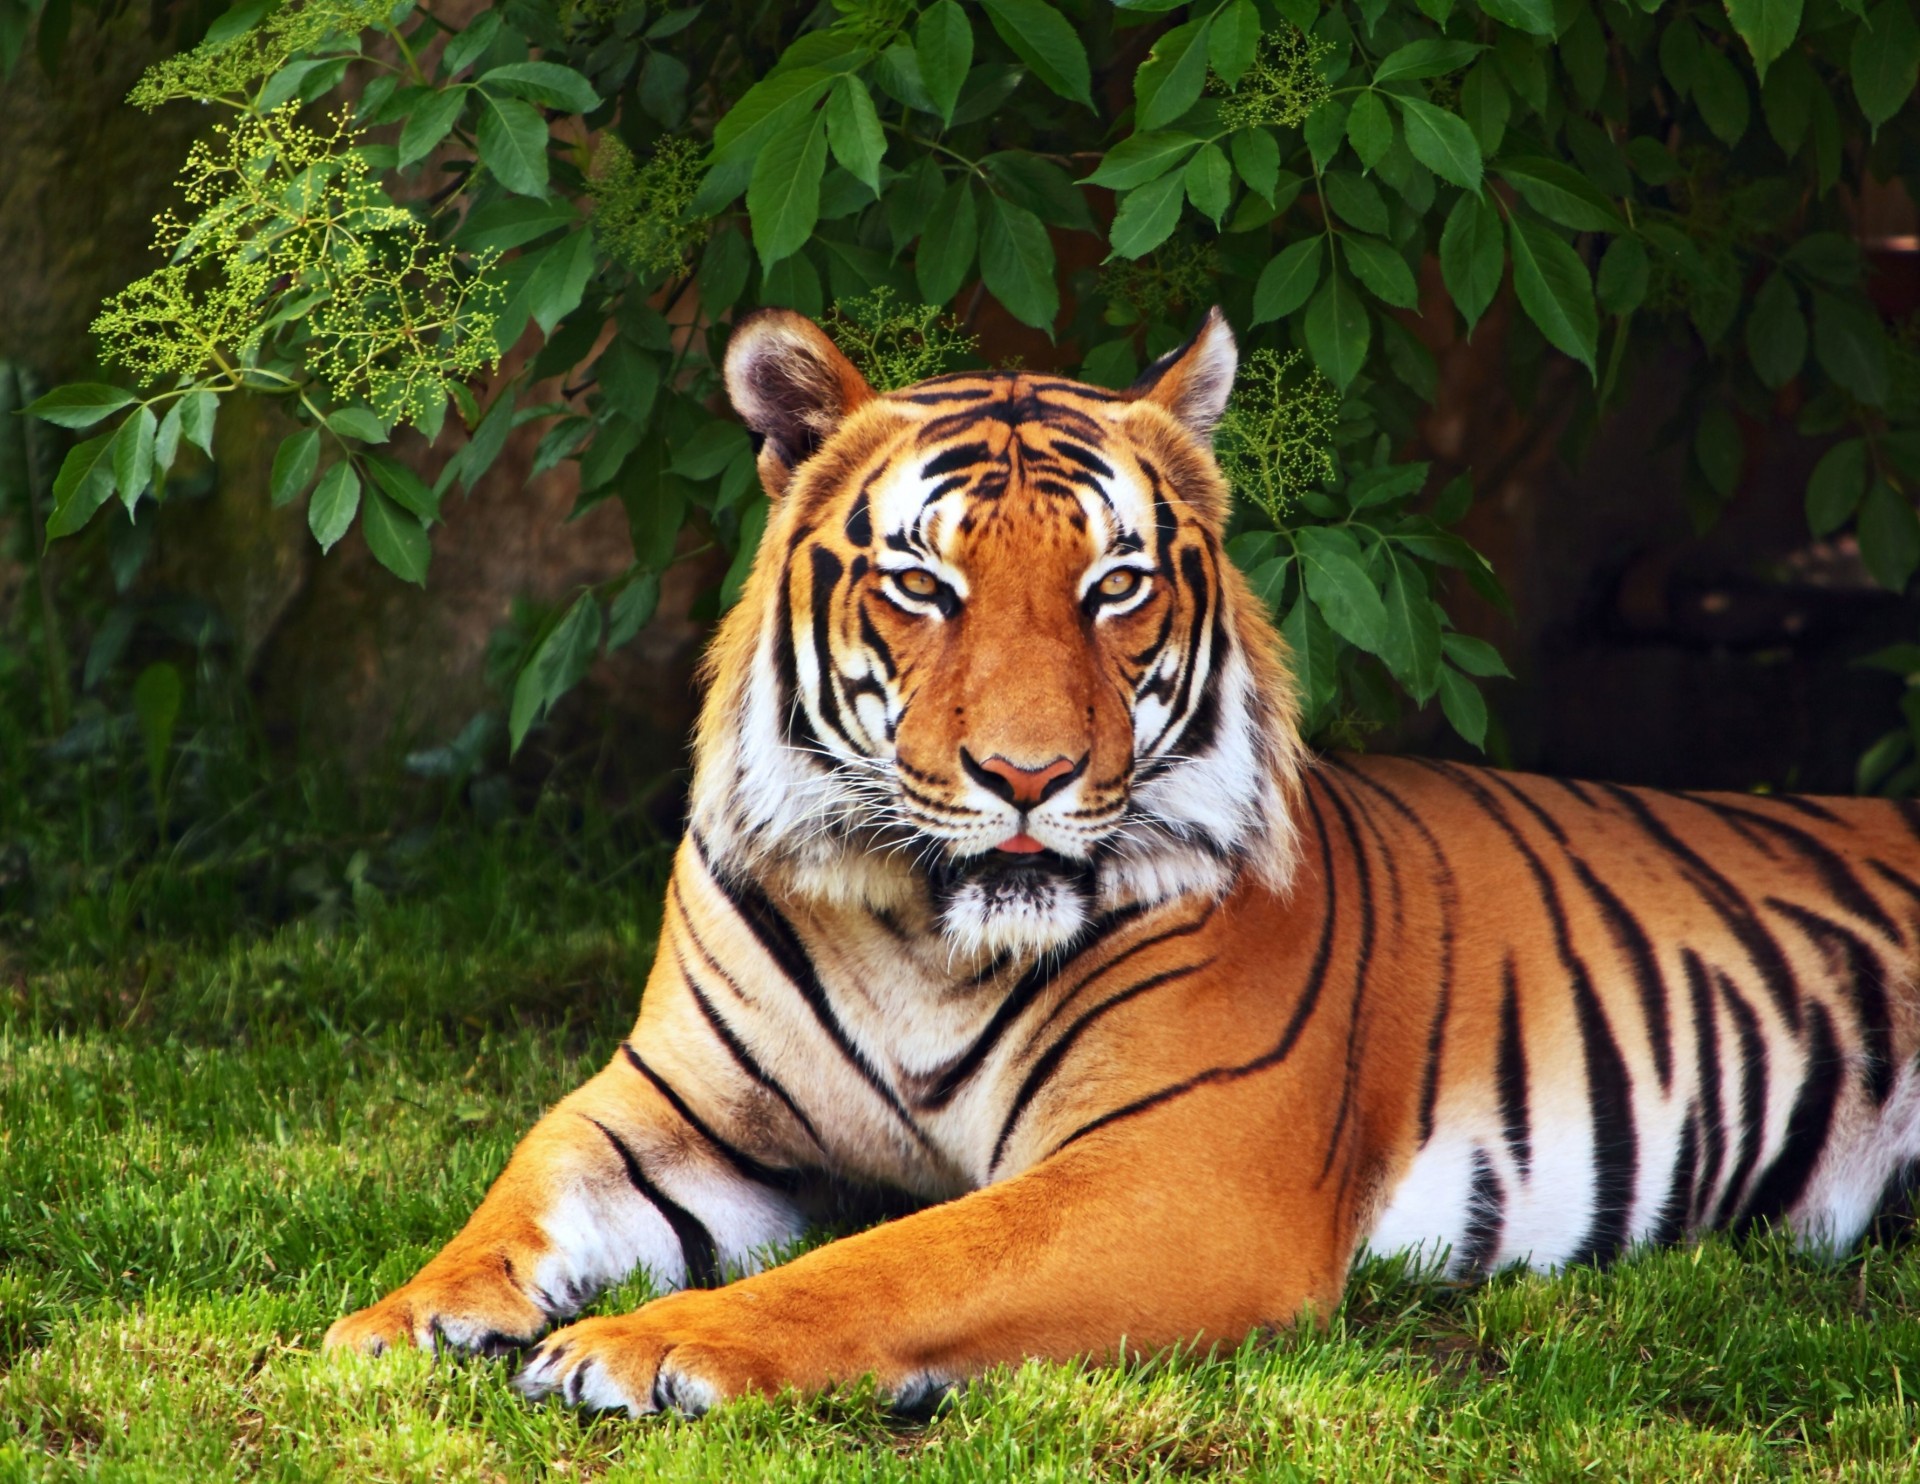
(920, 583)
(1121, 582)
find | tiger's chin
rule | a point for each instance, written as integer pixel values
(1017, 905)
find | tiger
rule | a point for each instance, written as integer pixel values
(1011, 888)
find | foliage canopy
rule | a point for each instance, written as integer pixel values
(393, 200)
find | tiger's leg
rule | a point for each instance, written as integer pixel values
(621, 1174)
(1152, 1231)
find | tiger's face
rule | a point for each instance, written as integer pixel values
(992, 660)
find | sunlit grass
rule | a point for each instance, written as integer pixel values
(211, 1148)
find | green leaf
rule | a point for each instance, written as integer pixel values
(198, 409)
(1472, 256)
(1532, 16)
(1767, 26)
(1426, 59)
(783, 197)
(1042, 187)
(357, 422)
(946, 249)
(1885, 60)
(1147, 215)
(1838, 483)
(1340, 587)
(753, 525)
(396, 538)
(1720, 449)
(513, 145)
(1324, 130)
(1356, 201)
(1889, 537)
(1553, 287)
(1475, 656)
(1234, 41)
(82, 486)
(1256, 156)
(1381, 270)
(79, 405)
(1826, 257)
(1776, 333)
(1786, 99)
(431, 120)
(1170, 81)
(1463, 706)
(637, 603)
(294, 463)
(1140, 158)
(1016, 263)
(1312, 655)
(559, 663)
(557, 285)
(1209, 182)
(1046, 41)
(335, 501)
(1852, 346)
(404, 487)
(548, 83)
(853, 130)
(943, 41)
(1370, 128)
(166, 443)
(1338, 331)
(1560, 194)
(468, 46)
(1385, 484)
(1287, 280)
(710, 450)
(1410, 640)
(1486, 105)
(768, 109)
(500, 225)
(1624, 272)
(1720, 94)
(133, 455)
(1442, 142)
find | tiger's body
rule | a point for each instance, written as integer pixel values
(1009, 887)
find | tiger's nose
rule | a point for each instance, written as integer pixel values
(1022, 787)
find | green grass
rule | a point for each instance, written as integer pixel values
(212, 1143)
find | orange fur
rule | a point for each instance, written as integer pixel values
(1359, 999)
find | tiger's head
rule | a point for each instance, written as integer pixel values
(992, 663)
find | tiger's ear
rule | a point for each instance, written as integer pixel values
(1192, 381)
(792, 386)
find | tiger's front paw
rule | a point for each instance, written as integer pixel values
(677, 1354)
(481, 1311)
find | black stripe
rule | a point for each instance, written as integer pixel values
(826, 574)
(736, 1048)
(1898, 880)
(1785, 1181)
(859, 525)
(1809, 807)
(1448, 893)
(1028, 988)
(698, 1255)
(1512, 1074)
(1363, 964)
(1609, 1089)
(1486, 1216)
(1706, 1050)
(1049, 1062)
(1728, 903)
(1753, 1100)
(1086, 458)
(1836, 876)
(1864, 977)
(749, 1167)
(953, 460)
(1632, 942)
(782, 944)
(1672, 1225)
(1303, 1011)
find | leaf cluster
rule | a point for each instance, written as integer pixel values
(1634, 181)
